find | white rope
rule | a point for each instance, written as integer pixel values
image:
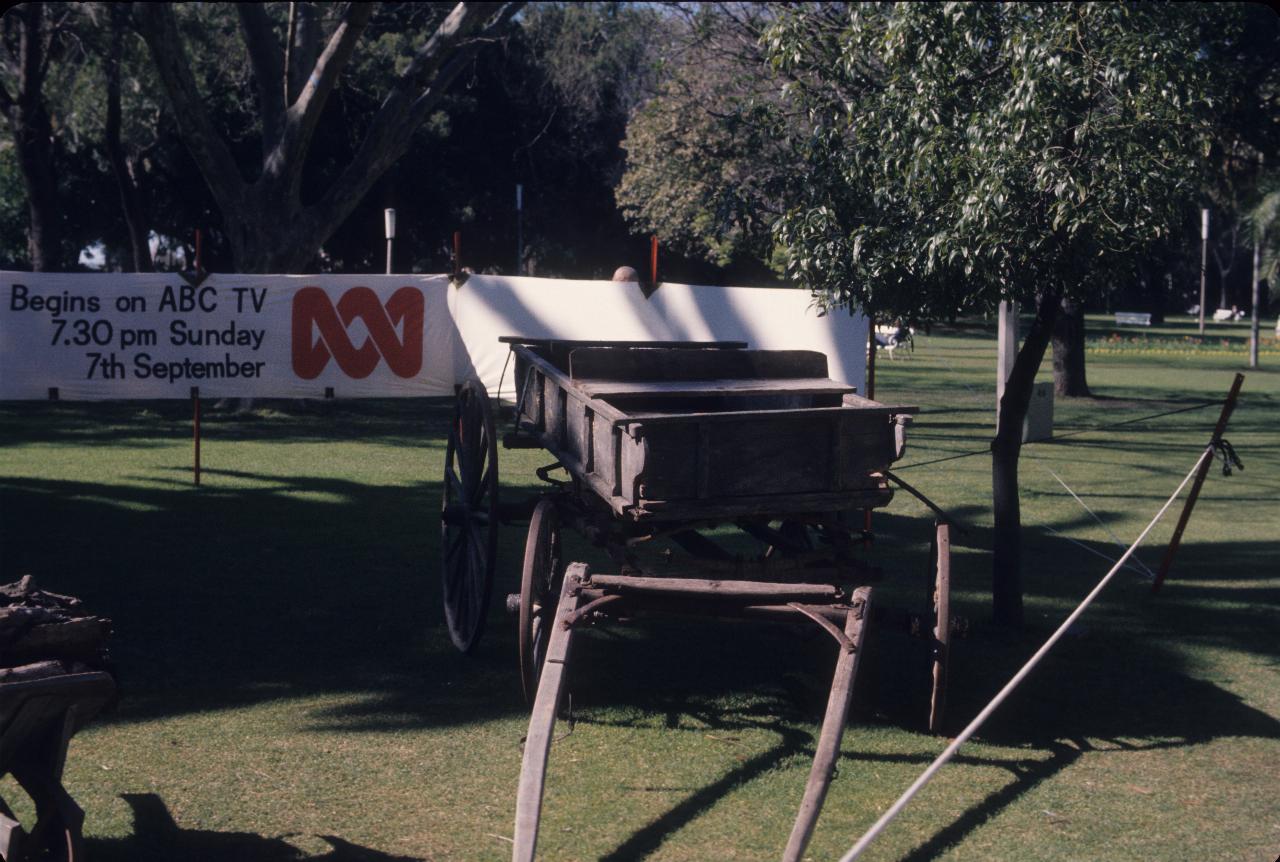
(879, 826)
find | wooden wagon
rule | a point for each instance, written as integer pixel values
(38, 717)
(669, 439)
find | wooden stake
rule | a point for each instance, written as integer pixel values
(870, 393)
(942, 627)
(195, 433)
(653, 260)
(1228, 406)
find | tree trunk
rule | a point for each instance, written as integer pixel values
(33, 140)
(1006, 574)
(121, 167)
(1069, 378)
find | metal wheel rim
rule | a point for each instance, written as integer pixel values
(540, 580)
(469, 516)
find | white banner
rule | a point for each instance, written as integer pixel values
(488, 307)
(126, 336)
(118, 336)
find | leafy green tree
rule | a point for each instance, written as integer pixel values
(963, 154)
(708, 156)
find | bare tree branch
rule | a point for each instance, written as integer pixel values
(285, 161)
(444, 56)
(301, 49)
(6, 103)
(158, 27)
(264, 56)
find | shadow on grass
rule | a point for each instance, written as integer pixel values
(298, 585)
(157, 838)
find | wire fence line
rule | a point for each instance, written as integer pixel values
(925, 777)
(1058, 437)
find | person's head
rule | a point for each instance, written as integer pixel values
(625, 273)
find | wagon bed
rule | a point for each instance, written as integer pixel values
(688, 433)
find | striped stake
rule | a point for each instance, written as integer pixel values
(1228, 406)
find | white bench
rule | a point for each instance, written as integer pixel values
(892, 337)
(1132, 318)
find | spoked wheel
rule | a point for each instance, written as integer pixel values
(469, 517)
(941, 626)
(540, 584)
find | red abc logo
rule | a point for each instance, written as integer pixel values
(312, 310)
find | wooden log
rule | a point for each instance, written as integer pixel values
(23, 591)
(35, 670)
(81, 637)
(751, 591)
(16, 619)
(19, 589)
(815, 792)
(542, 722)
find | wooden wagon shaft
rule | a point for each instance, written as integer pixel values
(824, 760)
(537, 745)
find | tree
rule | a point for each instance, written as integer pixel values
(30, 38)
(1242, 46)
(708, 157)
(963, 154)
(274, 221)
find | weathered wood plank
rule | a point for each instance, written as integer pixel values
(665, 365)
(824, 761)
(772, 504)
(542, 722)
(716, 386)
(669, 417)
(941, 629)
(717, 589)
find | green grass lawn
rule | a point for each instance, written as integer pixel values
(288, 690)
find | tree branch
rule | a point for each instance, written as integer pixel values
(218, 167)
(6, 103)
(264, 56)
(449, 50)
(302, 48)
(303, 114)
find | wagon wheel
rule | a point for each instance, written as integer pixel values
(540, 582)
(469, 517)
(941, 626)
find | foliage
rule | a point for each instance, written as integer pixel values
(708, 167)
(964, 153)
